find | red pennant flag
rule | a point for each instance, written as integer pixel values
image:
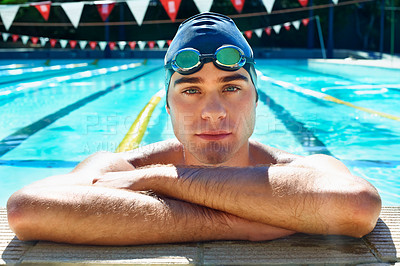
(132, 45)
(105, 10)
(305, 21)
(248, 34)
(53, 42)
(73, 43)
(151, 44)
(238, 5)
(15, 37)
(303, 3)
(287, 26)
(111, 45)
(268, 30)
(44, 9)
(169, 42)
(172, 7)
(93, 45)
(34, 40)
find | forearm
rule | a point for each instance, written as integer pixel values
(104, 216)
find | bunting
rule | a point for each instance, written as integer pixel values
(172, 7)
(277, 28)
(111, 45)
(268, 5)
(25, 39)
(287, 26)
(93, 44)
(72, 44)
(43, 8)
(258, 32)
(138, 9)
(151, 44)
(82, 44)
(105, 10)
(203, 5)
(102, 45)
(14, 37)
(122, 45)
(296, 24)
(53, 42)
(303, 3)
(305, 21)
(63, 43)
(161, 44)
(248, 34)
(141, 44)
(73, 11)
(238, 5)
(268, 30)
(132, 45)
(7, 14)
(34, 40)
(5, 36)
(335, 2)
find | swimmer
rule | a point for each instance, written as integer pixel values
(210, 183)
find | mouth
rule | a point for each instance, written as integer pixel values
(214, 135)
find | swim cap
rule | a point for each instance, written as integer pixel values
(206, 32)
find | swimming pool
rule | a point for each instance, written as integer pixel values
(54, 114)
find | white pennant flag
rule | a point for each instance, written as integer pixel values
(296, 24)
(73, 11)
(122, 45)
(82, 44)
(335, 1)
(63, 43)
(43, 41)
(25, 39)
(5, 36)
(102, 45)
(138, 9)
(277, 28)
(269, 4)
(161, 43)
(7, 14)
(258, 32)
(203, 5)
(141, 44)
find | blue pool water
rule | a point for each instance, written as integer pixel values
(56, 114)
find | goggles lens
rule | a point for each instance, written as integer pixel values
(228, 57)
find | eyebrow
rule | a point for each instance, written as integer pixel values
(196, 80)
(233, 77)
(192, 80)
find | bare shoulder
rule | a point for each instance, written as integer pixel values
(163, 152)
(264, 154)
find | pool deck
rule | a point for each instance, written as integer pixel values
(380, 247)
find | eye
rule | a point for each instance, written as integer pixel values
(232, 89)
(191, 91)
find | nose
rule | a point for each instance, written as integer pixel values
(213, 109)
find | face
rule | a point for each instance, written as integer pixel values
(213, 115)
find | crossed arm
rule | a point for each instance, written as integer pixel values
(312, 195)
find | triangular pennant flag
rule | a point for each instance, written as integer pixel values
(169, 42)
(93, 45)
(172, 7)
(138, 9)
(43, 41)
(15, 37)
(34, 40)
(203, 5)
(268, 31)
(248, 34)
(122, 45)
(141, 44)
(105, 10)
(287, 26)
(7, 14)
(268, 5)
(111, 45)
(296, 24)
(277, 28)
(151, 44)
(43, 8)
(305, 21)
(102, 45)
(53, 42)
(82, 44)
(63, 43)
(303, 3)
(161, 44)
(258, 32)
(238, 5)
(335, 1)
(25, 39)
(73, 11)
(72, 44)
(5, 36)
(132, 45)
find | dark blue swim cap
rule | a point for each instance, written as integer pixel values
(206, 32)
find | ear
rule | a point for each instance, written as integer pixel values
(167, 108)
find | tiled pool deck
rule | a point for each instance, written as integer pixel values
(381, 247)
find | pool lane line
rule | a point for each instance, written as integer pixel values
(310, 143)
(39, 163)
(324, 96)
(135, 133)
(15, 139)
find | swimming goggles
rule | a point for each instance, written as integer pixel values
(227, 57)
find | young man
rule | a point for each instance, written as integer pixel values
(212, 183)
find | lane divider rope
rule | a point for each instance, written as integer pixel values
(135, 134)
(324, 96)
